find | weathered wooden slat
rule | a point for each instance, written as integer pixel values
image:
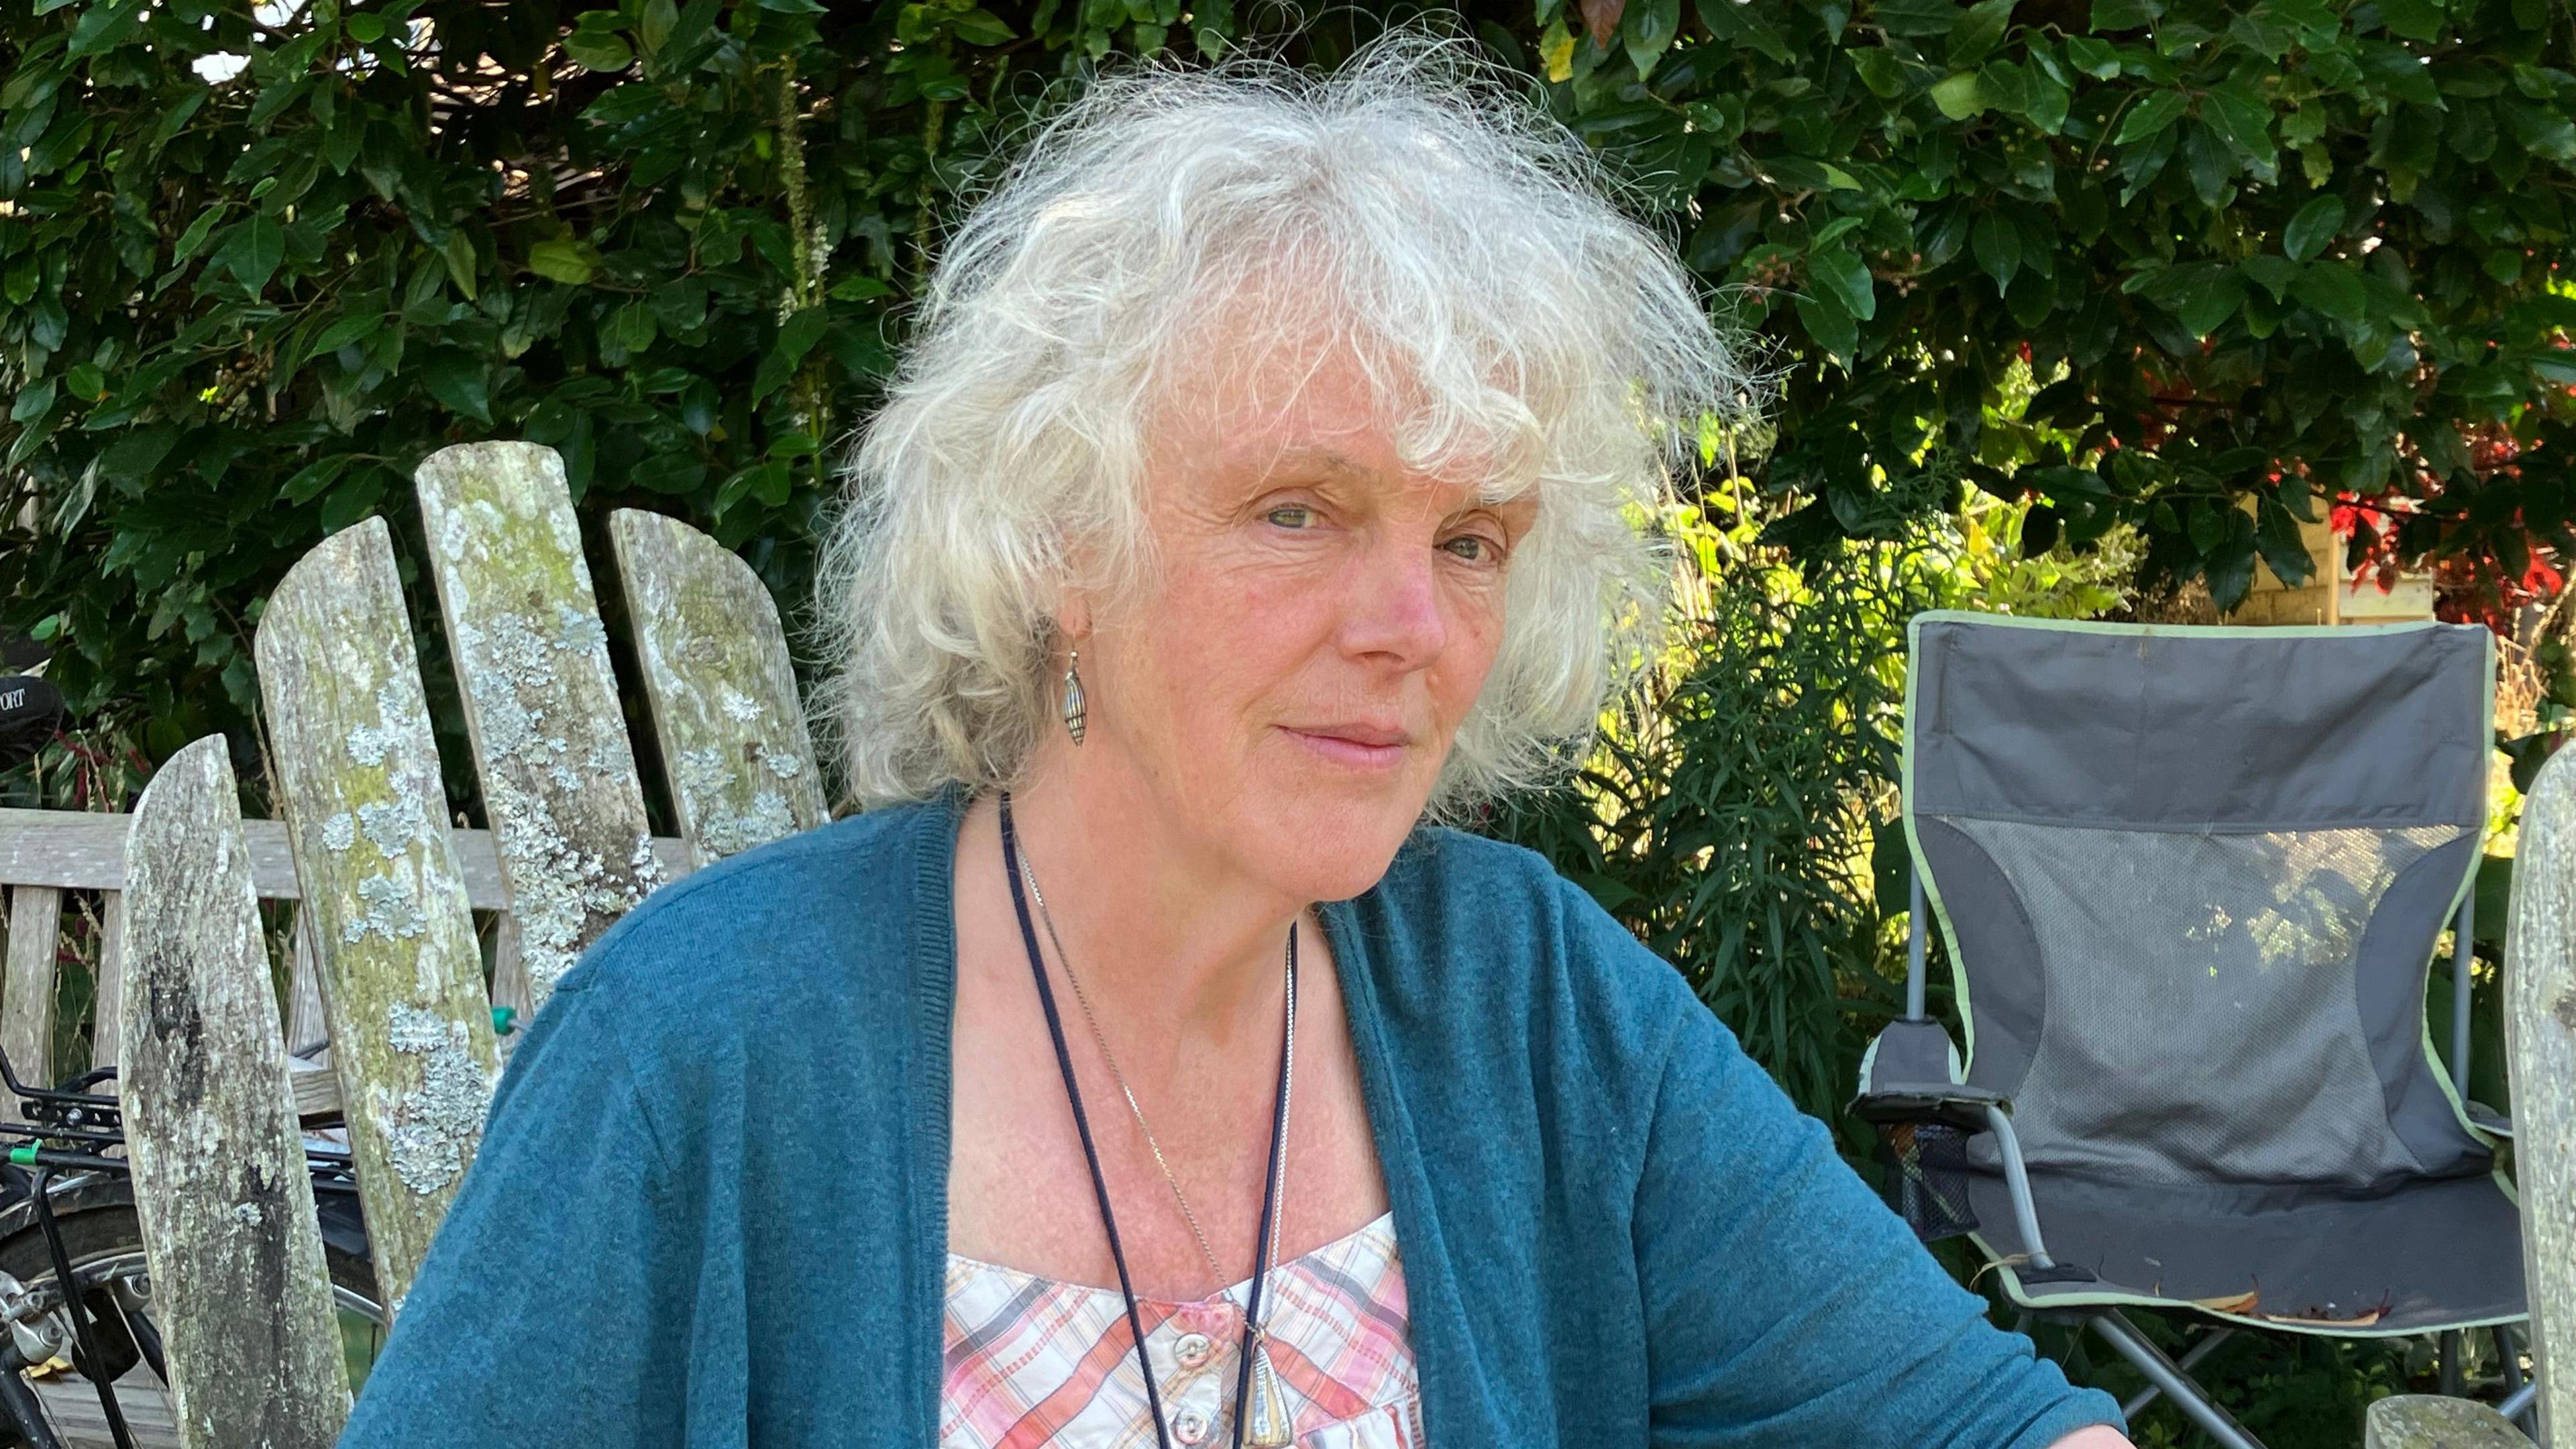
(560, 789)
(2540, 1047)
(317, 1090)
(2423, 1421)
(509, 969)
(358, 782)
(308, 1030)
(732, 736)
(27, 997)
(219, 1178)
(85, 850)
(105, 1027)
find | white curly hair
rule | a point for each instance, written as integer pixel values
(1467, 247)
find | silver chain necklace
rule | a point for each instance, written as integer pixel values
(1268, 1423)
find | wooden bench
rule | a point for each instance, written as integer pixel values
(47, 855)
(389, 968)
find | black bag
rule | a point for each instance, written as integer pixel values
(30, 712)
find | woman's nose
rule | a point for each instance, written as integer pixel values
(1392, 609)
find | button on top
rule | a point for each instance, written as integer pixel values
(1191, 1349)
(1189, 1426)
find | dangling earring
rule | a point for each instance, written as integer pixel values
(1074, 714)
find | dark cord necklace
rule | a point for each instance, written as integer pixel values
(1100, 1183)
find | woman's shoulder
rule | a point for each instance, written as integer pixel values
(827, 915)
(1462, 916)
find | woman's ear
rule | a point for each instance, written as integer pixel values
(1073, 617)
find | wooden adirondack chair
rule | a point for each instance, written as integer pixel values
(2540, 1051)
(388, 957)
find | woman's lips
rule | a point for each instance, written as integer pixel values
(1361, 747)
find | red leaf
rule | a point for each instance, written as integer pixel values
(1601, 17)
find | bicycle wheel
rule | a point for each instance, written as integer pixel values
(105, 1244)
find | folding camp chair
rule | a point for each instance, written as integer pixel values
(2191, 880)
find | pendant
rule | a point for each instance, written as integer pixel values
(1267, 1422)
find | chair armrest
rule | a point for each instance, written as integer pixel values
(1911, 1075)
(1959, 1105)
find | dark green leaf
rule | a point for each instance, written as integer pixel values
(1829, 326)
(2212, 303)
(2334, 289)
(1958, 97)
(1840, 271)
(312, 478)
(2096, 58)
(1996, 241)
(2125, 14)
(2414, 19)
(458, 379)
(798, 334)
(599, 52)
(564, 259)
(2150, 115)
(2229, 568)
(2240, 116)
(103, 26)
(2283, 549)
(458, 254)
(252, 249)
(191, 241)
(33, 400)
(1647, 28)
(1977, 31)
(2315, 225)
(670, 472)
(1880, 70)
(2273, 274)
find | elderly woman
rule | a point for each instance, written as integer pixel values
(1266, 476)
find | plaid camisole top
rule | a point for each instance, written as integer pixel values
(1034, 1362)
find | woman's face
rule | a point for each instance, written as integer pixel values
(1315, 623)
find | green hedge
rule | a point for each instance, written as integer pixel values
(2258, 253)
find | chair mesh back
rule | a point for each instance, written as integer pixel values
(2193, 879)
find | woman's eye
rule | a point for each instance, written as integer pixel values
(1291, 515)
(1474, 548)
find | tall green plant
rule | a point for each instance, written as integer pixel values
(1727, 819)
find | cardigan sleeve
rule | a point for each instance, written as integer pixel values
(556, 1303)
(1785, 1305)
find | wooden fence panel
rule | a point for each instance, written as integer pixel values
(732, 736)
(402, 975)
(550, 747)
(104, 1028)
(27, 996)
(2540, 1045)
(220, 1184)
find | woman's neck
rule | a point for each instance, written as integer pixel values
(1165, 932)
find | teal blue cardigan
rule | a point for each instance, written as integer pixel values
(711, 1206)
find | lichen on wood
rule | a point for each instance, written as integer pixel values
(558, 775)
(391, 928)
(2423, 1421)
(734, 746)
(2540, 1046)
(241, 1292)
